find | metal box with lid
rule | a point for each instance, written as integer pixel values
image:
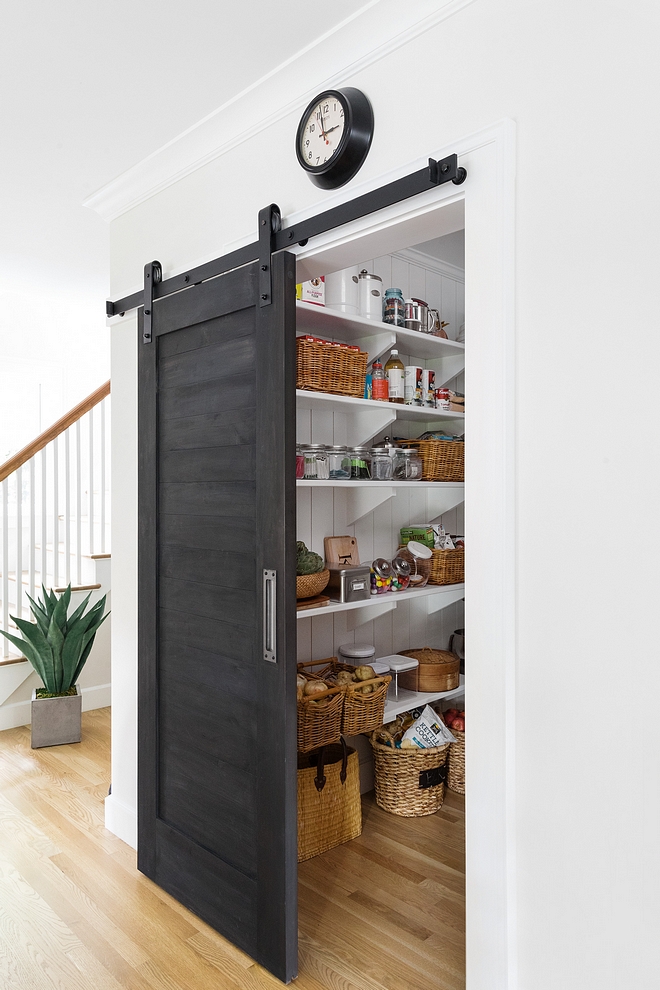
(348, 583)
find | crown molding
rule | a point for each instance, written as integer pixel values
(415, 257)
(378, 28)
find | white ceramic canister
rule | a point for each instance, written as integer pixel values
(341, 290)
(370, 295)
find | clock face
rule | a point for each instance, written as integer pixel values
(334, 136)
(321, 132)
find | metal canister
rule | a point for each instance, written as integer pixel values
(370, 295)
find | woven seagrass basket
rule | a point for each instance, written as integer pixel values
(320, 724)
(329, 807)
(362, 712)
(408, 782)
(456, 763)
(308, 585)
(444, 567)
(442, 460)
(322, 368)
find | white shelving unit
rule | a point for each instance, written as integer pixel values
(374, 511)
(416, 699)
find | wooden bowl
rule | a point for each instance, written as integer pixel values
(308, 585)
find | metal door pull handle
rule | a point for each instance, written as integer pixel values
(270, 616)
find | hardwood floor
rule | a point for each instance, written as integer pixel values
(383, 912)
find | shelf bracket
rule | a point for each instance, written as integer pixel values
(378, 344)
(441, 500)
(360, 501)
(436, 603)
(446, 368)
(364, 424)
(361, 616)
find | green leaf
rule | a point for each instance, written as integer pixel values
(56, 642)
(30, 654)
(87, 650)
(34, 636)
(40, 615)
(73, 618)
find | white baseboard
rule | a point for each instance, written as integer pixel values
(121, 820)
(20, 713)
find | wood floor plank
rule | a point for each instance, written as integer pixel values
(383, 912)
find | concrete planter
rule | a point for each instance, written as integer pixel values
(56, 721)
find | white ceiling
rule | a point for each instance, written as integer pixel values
(89, 89)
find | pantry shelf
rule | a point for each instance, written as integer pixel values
(390, 411)
(416, 699)
(327, 322)
(444, 486)
(438, 596)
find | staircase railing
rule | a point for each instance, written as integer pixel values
(54, 507)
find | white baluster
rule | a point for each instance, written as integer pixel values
(67, 510)
(78, 507)
(5, 564)
(90, 507)
(19, 541)
(103, 476)
(33, 539)
(44, 520)
(56, 517)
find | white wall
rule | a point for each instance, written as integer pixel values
(578, 79)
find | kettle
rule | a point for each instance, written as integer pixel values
(457, 646)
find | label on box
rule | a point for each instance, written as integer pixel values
(312, 291)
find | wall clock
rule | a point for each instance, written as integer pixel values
(334, 136)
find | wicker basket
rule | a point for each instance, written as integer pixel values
(409, 782)
(329, 808)
(323, 368)
(444, 567)
(456, 763)
(362, 712)
(443, 460)
(438, 671)
(320, 725)
(308, 585)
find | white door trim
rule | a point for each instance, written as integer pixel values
(488, 201)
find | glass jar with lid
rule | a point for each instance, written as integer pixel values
(339, 463)
(300, 462)
(316, 462)
(401, 570)
(381, 464)
(381, 576)
(408, 464)
(360, 463)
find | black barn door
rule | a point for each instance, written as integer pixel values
(217, 733)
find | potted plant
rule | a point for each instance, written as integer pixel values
(57, 645)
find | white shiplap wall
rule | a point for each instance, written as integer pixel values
(322, 511)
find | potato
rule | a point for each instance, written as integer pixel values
(344, 677)
(366, 689)
(364, 673)
(315, 687)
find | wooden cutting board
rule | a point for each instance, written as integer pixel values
(341, 550)
(316, 602)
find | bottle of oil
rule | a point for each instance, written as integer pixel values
(395, 373)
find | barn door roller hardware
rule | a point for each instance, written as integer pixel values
(273, 237)
(153, 273)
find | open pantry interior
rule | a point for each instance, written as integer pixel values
(387, 891)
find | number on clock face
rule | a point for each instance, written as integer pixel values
(322, 132)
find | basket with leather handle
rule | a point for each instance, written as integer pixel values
(329, 807)
(408, 782)
(438, 670)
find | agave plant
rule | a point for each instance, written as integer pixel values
(57, 645)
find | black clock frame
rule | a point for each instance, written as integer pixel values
(355, 142)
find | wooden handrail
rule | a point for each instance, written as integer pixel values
(53, 431)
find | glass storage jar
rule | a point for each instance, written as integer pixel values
(400, 574)
(381, 464)
(300, 462)
(394, 310)
(316, 462)
(360, 463)
(381, 576)
(339, 463)
(408, 465)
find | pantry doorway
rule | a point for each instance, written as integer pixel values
(483, 207)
